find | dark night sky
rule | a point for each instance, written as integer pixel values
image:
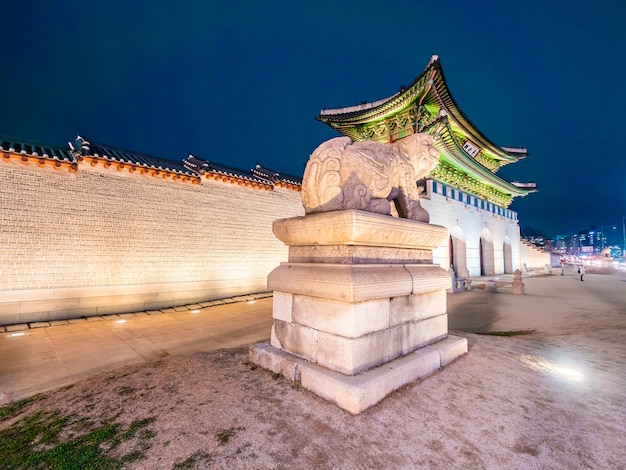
(240, 82)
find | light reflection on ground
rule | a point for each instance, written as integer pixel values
(541, 364)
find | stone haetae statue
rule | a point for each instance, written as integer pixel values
(367, 175)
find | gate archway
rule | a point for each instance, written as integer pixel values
(458, 251)
(487, 267)
(507, 252)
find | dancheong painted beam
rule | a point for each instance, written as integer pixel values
(469, 160)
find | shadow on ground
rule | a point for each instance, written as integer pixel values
(472, 312)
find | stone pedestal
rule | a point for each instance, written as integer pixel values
(359, 308)
(518, 285)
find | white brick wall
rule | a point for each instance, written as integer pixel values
(102, 241)
(67, 239)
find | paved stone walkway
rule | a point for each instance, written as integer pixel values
(41, 356)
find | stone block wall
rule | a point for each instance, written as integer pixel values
(100, 241)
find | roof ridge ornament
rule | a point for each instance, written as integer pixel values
(195, 164)
(79, 147)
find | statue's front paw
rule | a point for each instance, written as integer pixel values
(379, 206)
(417, 212)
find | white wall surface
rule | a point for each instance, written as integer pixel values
(101, 241)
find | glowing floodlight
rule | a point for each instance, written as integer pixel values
(194, 311)
(541, 364)
(568, 373)
(120, 321)
(251, 301)
(17, 334)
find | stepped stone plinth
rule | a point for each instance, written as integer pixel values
(359, 308)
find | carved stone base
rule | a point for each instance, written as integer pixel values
(350, 337)
(348, 305)
(357, 393)
(358, 228)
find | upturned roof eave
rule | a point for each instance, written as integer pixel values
(440, 93)
(378, 109)
(337, 118)
(447, 145)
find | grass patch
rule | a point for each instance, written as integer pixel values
(192, 460)
(11, 409)
(224, 435)
(124, 390)
(47, 439)
(509, 333)
(132, 430)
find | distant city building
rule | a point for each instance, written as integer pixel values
(562, 244)
(590, 242)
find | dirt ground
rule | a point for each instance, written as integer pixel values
(552, 399)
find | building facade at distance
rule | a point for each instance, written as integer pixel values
(592, 242)
(91, 230)
(464, 192)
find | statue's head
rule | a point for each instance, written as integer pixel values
(420, 151)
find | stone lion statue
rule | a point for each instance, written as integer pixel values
(342, 174)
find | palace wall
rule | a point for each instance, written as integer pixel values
(534, 258)
(470, 222)
(98, 241)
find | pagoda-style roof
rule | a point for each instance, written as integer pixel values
(467, 173)
(428, 106)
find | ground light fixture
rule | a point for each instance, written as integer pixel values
(568, 373)
(541, 364)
